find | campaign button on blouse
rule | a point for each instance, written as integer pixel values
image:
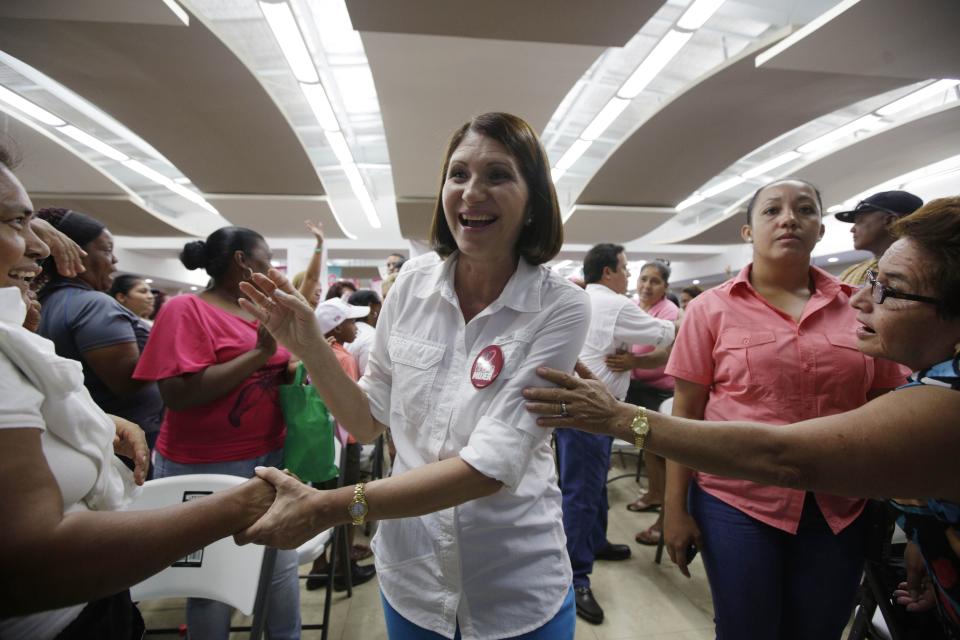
(486, 367)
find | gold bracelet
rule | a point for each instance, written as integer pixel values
(640, 427)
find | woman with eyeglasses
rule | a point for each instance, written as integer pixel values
(775, 344)
(905, 443)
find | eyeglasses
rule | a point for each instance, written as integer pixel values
(879, 292)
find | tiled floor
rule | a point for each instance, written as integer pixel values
(642, 601)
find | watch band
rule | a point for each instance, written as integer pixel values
(358, 507)
(640, 427)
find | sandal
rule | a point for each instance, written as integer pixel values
(649, 537)
(640, 505)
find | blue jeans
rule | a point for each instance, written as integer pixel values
(584, 459)
(209, 619)
(560, 626)
(767, 583)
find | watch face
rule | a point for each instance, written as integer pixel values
(358, 509)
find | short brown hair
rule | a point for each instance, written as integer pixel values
(935, 228)
(540, 241)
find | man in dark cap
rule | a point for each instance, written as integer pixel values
(872, 218)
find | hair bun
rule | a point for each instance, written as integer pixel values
(194, 255)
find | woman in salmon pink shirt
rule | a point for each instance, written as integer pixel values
(776, 344)
(219, 372)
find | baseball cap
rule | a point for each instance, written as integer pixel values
(334, 311)
(899, 203)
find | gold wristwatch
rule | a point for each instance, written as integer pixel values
(358, 508)
(640, 427)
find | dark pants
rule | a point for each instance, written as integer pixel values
(769, 584)
(584, 459)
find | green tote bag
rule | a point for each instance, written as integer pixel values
(308, 451)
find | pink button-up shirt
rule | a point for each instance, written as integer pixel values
(665, 310)
(763, 366)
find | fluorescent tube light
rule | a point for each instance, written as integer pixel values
(360, 191)
(178, 11)
(573, 154)
(287, 33)
(85, 138)
(320, 104)
(20, 103)
(727, 184)
(771, 164)
(833, 259)
(602, 120)
(863, 123)
(696, 198)
(698, 13)
(655, 61)
(164, 181)
(556, 174)
(917, 96)
(340, 148)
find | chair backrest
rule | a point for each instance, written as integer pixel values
(221, 571)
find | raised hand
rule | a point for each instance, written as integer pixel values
(316, 229)
(294, 517)
(67, 254)
(283, 312)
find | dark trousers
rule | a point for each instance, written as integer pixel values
(768, 584)
(583, 459)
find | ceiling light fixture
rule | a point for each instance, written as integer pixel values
(164, 181)
(605, 118)
(698, 13)
(917, 96)
(573, 154)
(22, 104)
(863, 123)
(320, 105)
(97, 145)
(833, 259)
(771, 164)
(285, 29)
(654, 63)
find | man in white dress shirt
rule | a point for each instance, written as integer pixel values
(366, 327)
(616, 324)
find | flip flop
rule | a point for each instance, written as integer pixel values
(641, 506)
(649, 537)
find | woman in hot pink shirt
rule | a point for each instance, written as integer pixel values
(219, 374)
(776, 344)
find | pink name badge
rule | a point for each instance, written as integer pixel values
(486, 367)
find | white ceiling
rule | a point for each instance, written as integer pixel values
(434, 65)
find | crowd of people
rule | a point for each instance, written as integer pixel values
(766, 411)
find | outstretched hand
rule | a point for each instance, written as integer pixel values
(589, 405)
(282, 311)
(292, 519)
(67, 254)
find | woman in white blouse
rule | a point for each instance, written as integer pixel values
(471, 540)
(68, 550)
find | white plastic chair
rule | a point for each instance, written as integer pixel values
(223, 571)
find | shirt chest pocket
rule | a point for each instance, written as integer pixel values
(747, 357)
(415, 365)
(845, 364)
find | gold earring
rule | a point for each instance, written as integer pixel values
(247, 274)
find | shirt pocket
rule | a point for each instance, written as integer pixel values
(415, 365)
(845, 364)
(747, 357)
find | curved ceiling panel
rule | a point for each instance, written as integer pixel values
(46, 167)
(562, 21)
(430, 85)
(592, 224)
(862, 165)
(714, 123)
(277, 217)
(181, 90)
(914, 40)
(122, 217)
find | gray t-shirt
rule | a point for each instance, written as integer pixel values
(78, 319)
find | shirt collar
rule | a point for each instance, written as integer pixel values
(824, 284)
(12, 308)
(522, 292)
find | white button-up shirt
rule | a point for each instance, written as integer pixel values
(496, 565)
(616, 323)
